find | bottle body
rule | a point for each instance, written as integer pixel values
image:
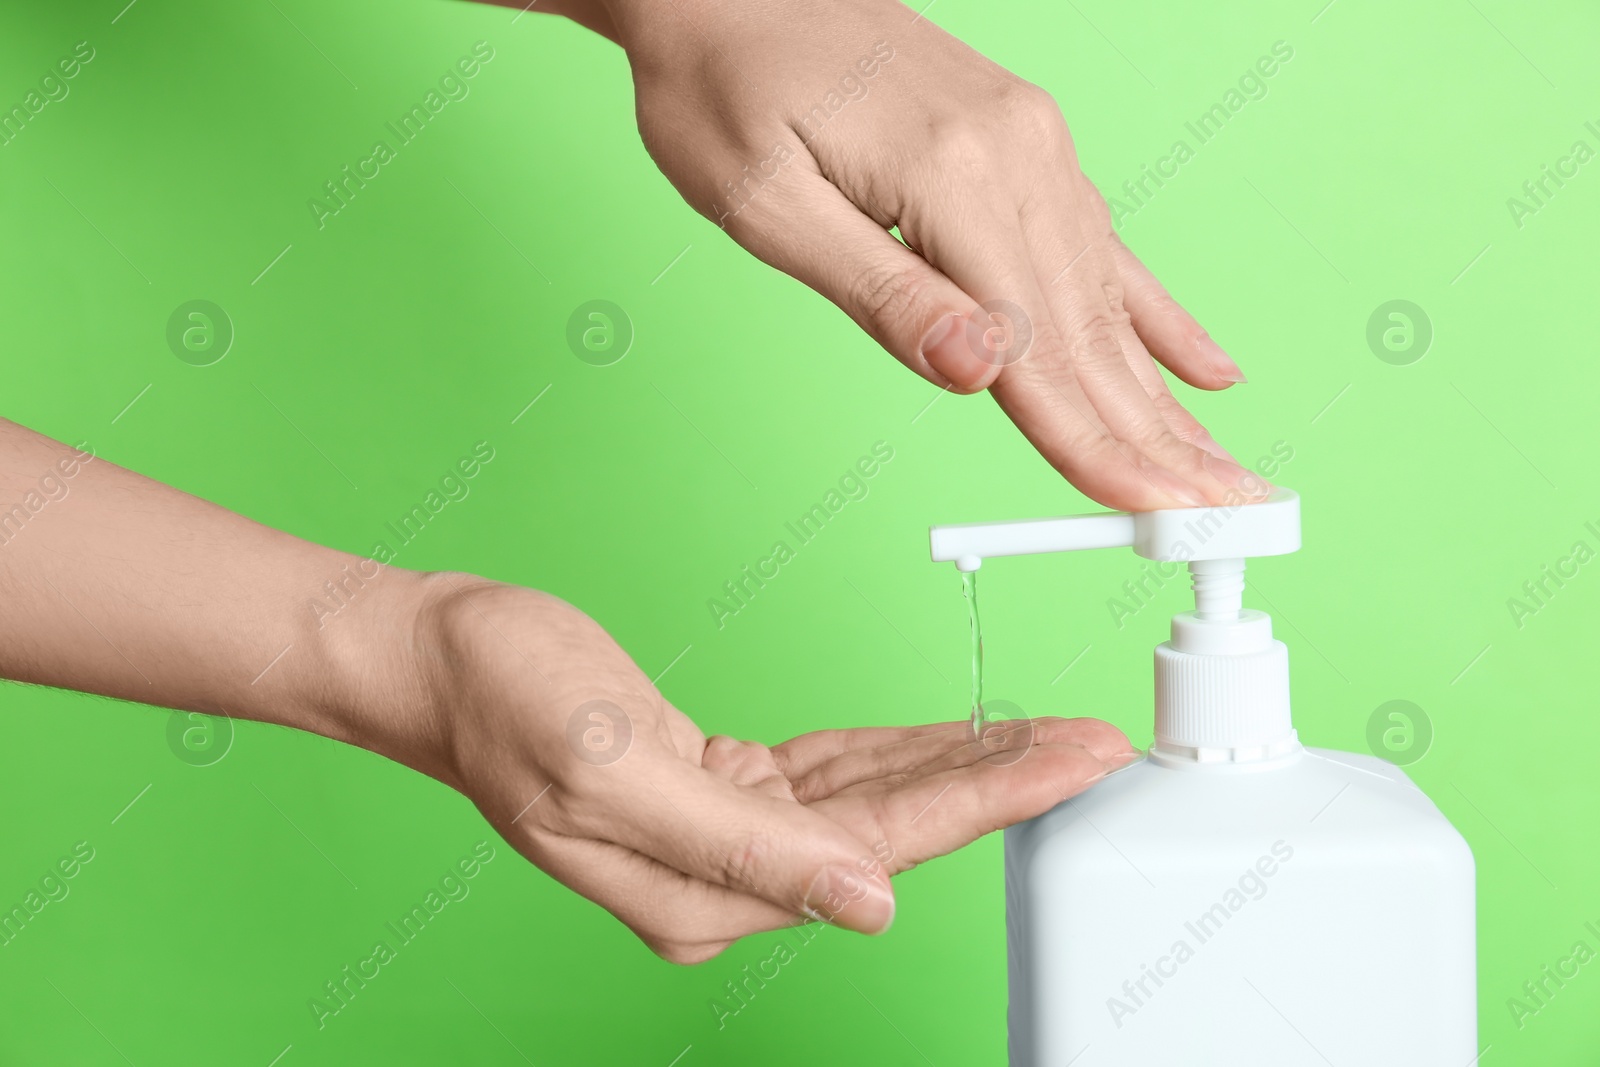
(1317, 909)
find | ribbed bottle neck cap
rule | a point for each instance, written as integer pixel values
(1223, 708)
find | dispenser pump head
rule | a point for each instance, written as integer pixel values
(1222, 681)
(1268, 528)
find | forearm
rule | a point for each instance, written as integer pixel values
(119, 585)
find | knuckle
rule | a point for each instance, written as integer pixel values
(722, 750)
(1115, 245)
(813, 785)
(887, 296)
(1032, 103)
(1163, 306)
(1048, 351)
(1096, 332)
(1158, 439)
(1031, 110)
(1184, 424)
(1194, 334)
(962, 147)
(1184, 427)
(1121, 321)
(742, 762)
(1116, 300)
(753, 851)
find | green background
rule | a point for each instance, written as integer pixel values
(427, 314)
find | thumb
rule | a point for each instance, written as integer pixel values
(753, 843)
(809, 230)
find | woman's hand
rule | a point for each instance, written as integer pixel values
(808, 129)
(582, 765)
(116, 584)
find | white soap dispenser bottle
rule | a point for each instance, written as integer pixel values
(1235, 898)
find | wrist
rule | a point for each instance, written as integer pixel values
(376, 687)
(657, 29)
(594, 15)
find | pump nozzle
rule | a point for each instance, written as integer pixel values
(1270, 528)
(1222, 682)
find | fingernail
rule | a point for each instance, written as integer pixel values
(1174, 486)
(1222, 364)
(846, 897)
(1122, 761)
(946, 349)
(1231, 474)
(1226, 471)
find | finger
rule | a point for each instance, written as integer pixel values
(1049, 406)
(680, 918)
(740, 838)
(1169, 332)
(950, 748)
(808, 229)
(1004, 742)
(1178, 417)
(1250, 484)
(1087, 303)
(1008, 741)
(943, 812)
(1039, 389)
(931, 312)
(880, 761)
(1216, 460)
(800, 755)
(1172, 335)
